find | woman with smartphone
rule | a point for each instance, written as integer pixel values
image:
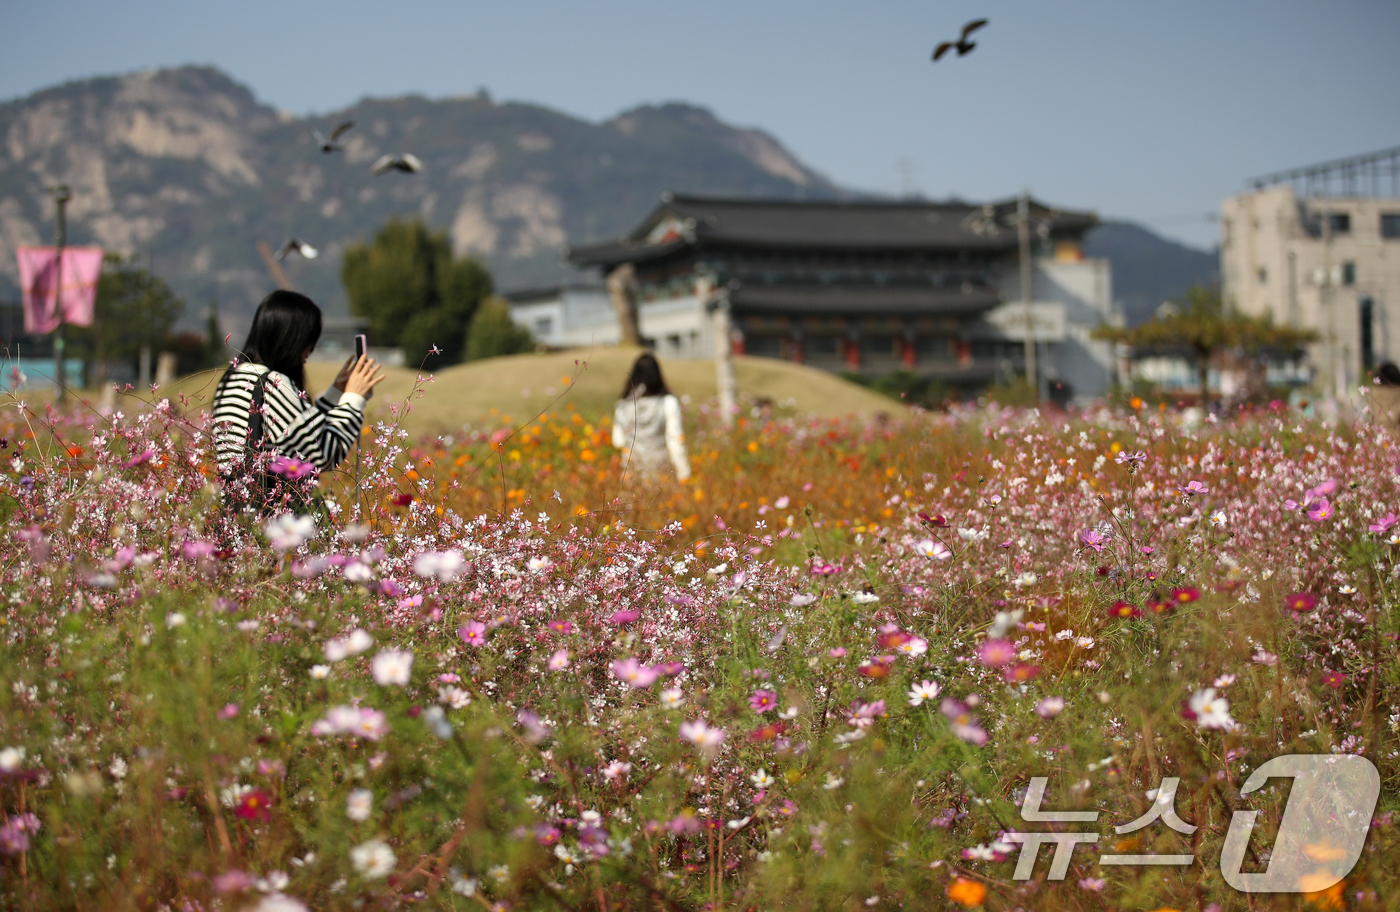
(262, 411)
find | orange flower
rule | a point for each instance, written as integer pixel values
(966, 893)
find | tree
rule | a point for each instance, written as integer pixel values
(493, 332)
(414, 292)
(1204, 327)
(135, 309)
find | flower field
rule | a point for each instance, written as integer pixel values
(502, 673)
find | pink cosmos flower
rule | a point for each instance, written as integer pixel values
(561, 626)
(1383, 524)
(559, 661)
(996, 653)
(230, 711)
(1326, 489)
(290, 468)
(621, 618)
(763, 701)
(822, 568)
(706, 737)
(1193, 487)
(634, 673)
(139, 458)
(1092, 538)
(965, 725)
(1050, 707)
(1320, 510)
(1131, 460)
(473, 633)
(863, 715)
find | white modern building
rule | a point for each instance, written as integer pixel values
(1319, 248)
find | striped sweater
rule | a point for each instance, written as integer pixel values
(320, 432)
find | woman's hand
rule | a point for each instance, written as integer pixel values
(362, 376)
(343, 377)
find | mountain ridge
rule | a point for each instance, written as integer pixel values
(186, 166)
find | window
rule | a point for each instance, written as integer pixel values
(1340, 222)
(1390, 225)
(878, 345)
(1348, 273)
(544, 327)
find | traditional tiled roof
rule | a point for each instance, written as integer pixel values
(854, 226)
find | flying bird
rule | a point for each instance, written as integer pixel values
(329, 145)
(300, 247)
(962, 44)
(409, 164)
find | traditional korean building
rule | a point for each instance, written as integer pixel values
(866, 287)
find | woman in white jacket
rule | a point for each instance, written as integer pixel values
(647, 423)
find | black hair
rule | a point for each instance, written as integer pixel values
(285, 325)
(645, 379)
(1388, 374)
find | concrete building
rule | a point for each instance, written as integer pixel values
(865, 287)
(1319, 248)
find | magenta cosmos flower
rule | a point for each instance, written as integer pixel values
(1299, 602)
(1092, 538)
(1383, 524)
(763, 701)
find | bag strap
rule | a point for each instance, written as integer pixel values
(255, 417)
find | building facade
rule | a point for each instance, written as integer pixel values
(1319, 248)
(863, 287)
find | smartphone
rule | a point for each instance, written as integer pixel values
(361, 346)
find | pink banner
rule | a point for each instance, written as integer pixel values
(82, 267)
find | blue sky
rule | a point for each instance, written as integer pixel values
(1150, 111)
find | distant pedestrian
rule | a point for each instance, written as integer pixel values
(1385, 395)
(647, 423)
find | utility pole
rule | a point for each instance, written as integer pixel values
(61, 196)
(1023, 236)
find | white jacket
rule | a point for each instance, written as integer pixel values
(648, 429)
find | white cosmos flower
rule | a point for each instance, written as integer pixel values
(934, 549)
(538, 563)
(392, 667)
(358, 804)
(672, 697)
(444, 565)
(761, 779)
(865, 598)
(1212, 711)
(320, 672)
(356, 642)
(356, 572)
(373, 859)
(924, 690)
(288, 532)
(11, 758)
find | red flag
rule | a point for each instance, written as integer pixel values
(82, 267)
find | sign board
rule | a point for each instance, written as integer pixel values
(1047, 320)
